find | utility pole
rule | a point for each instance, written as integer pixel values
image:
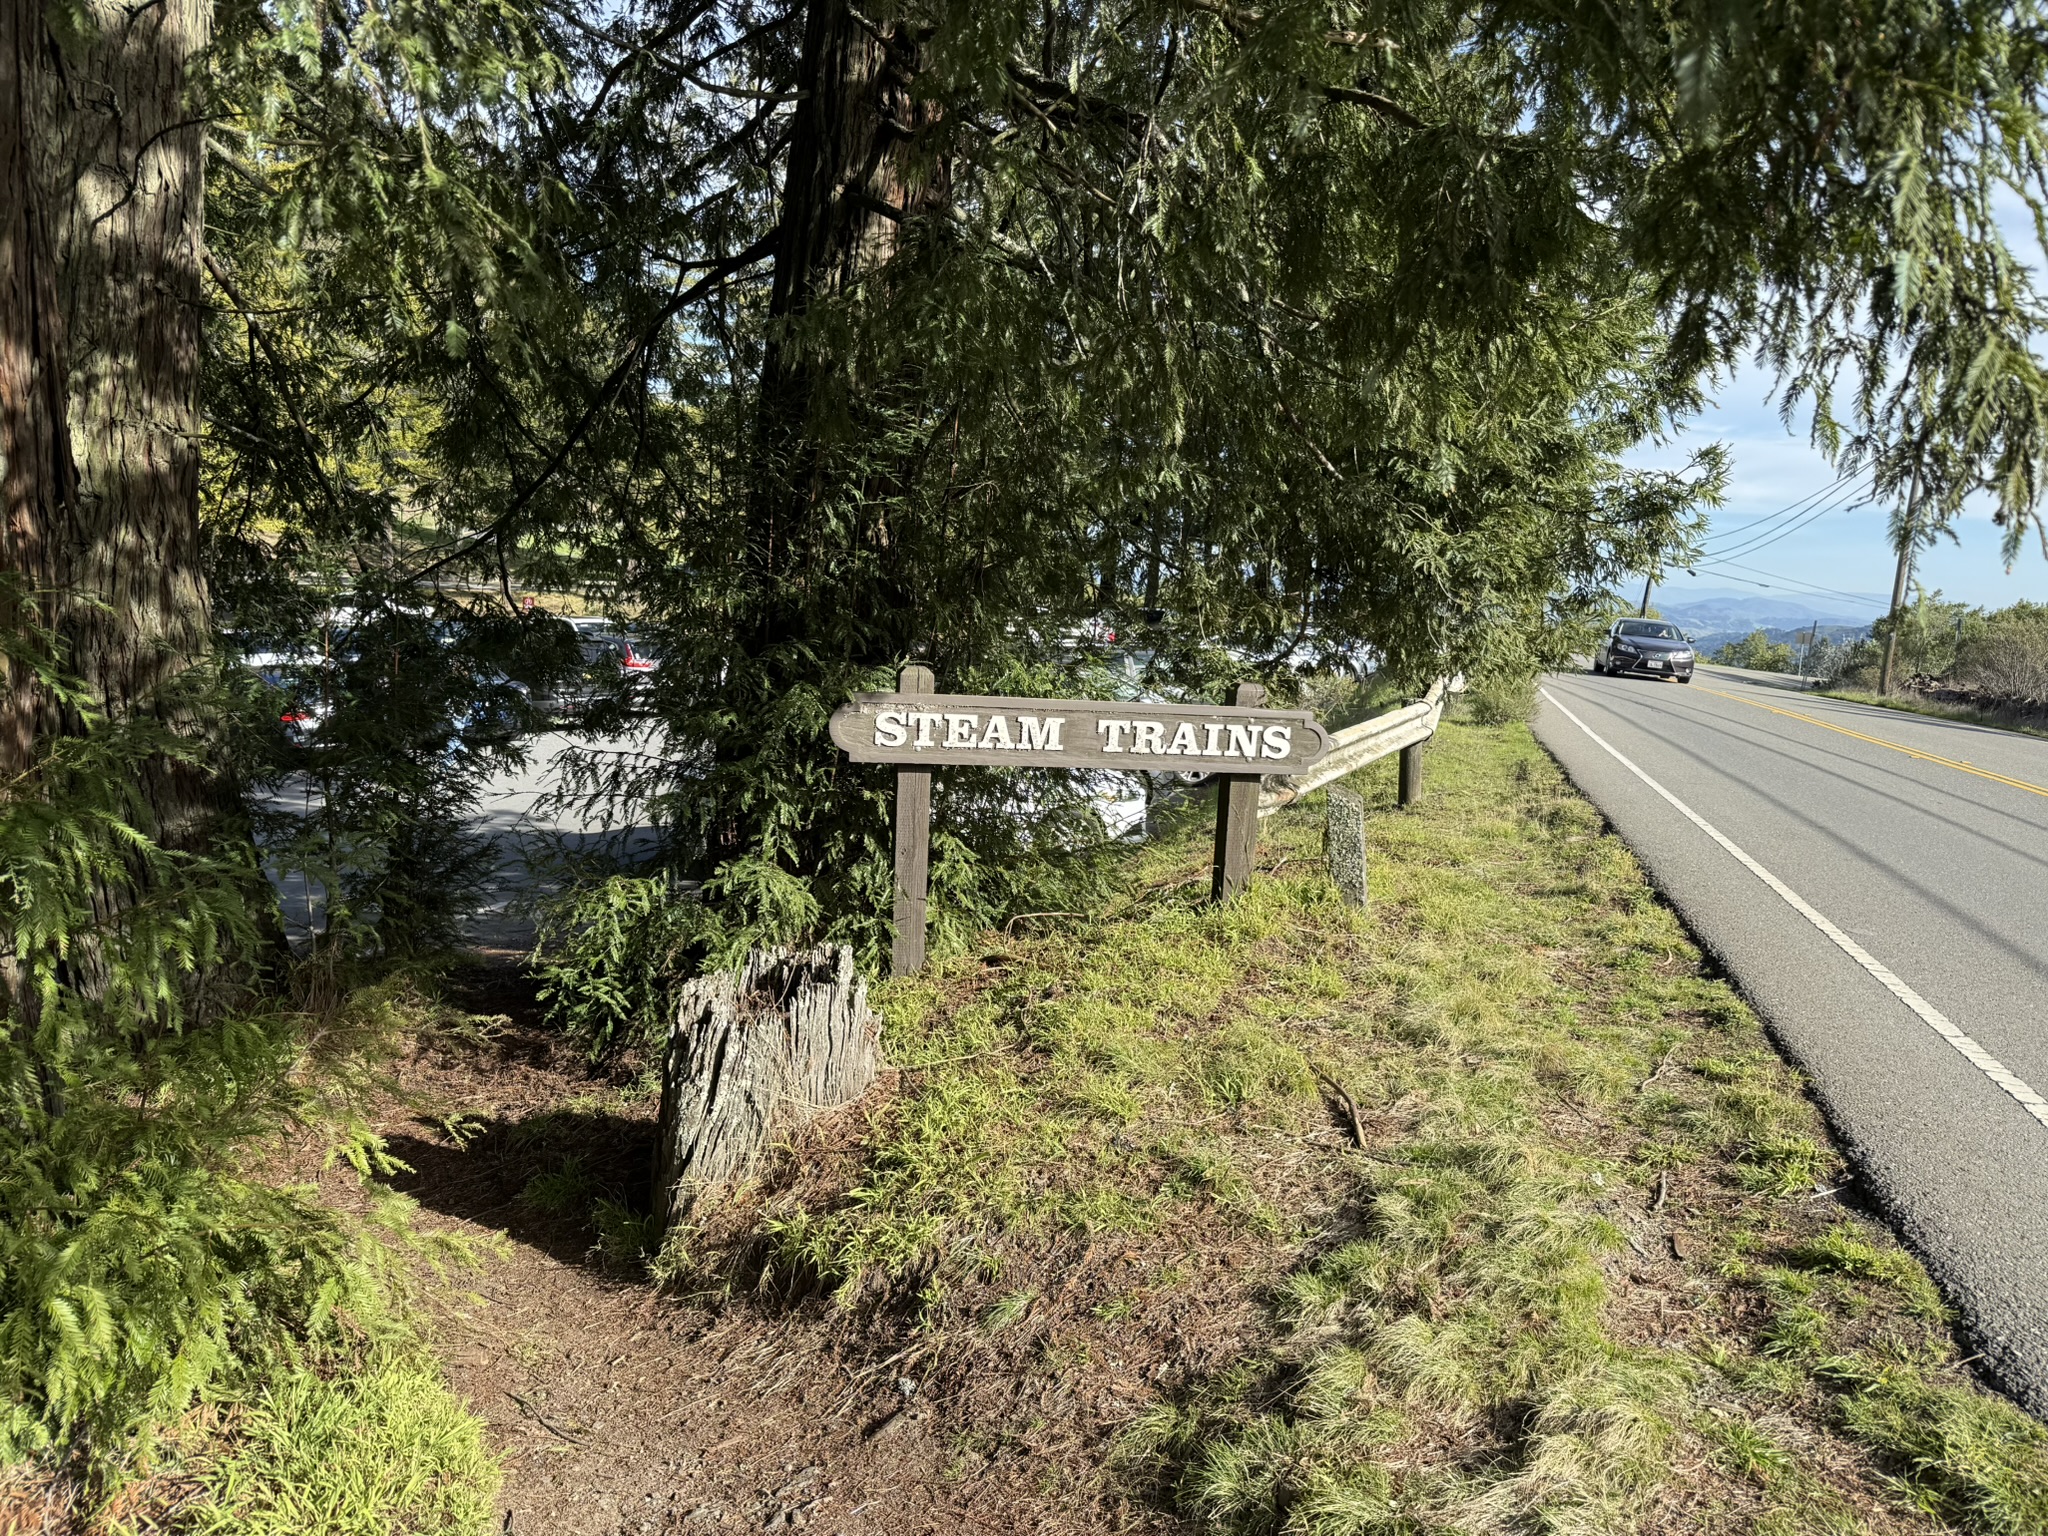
(1812, 635)
(1905, 573)
(1644, 611)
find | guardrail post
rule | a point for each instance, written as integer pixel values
(913, 844)
(1237, 816)
(1344, 842)
(1411, 774)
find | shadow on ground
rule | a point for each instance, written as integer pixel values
(539, 1179)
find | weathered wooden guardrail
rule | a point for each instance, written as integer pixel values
(1402, 730)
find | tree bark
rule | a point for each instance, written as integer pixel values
(101, 232)
(752, 1055)
(852, 181)
(857, 174)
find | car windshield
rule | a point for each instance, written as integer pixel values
(1648, 629)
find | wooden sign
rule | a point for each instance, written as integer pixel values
(919, 730)
(983, 731)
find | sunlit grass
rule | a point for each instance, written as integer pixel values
(375, 1451)
(1539, 1060)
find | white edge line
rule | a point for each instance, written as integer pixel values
(1931, 1016)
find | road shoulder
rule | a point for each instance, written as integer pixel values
(1885, 1082)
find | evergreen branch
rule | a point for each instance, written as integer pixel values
(608, 391)
(1280, 394)
(1236, 21)
(1240, 23)
(1018, 253)
(263, 340)
(1044, 86)
(1385, 106)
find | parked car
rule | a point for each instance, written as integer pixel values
(1644, 648)
(610, 659)
(304, 689)
(499, 709)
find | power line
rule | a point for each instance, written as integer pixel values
(1744, 530)
(1786, 581)
(1848, 499)
(1792, 582)
(1784, 533)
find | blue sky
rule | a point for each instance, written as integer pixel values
(1843, 551)
(1848, 550)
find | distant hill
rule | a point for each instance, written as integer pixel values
(1709, 641)
(1710, 610)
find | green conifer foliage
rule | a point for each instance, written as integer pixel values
(824, 337)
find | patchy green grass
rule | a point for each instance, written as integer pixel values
(1588, 1272)
(384, 1450)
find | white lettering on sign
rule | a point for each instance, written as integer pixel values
(1005, 732)
(1032, 733)
(1149, 736)
(1036, 735)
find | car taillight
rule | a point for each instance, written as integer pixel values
(294, 719)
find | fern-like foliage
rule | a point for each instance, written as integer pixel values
(136, 1062)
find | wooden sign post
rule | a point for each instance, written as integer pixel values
(919, 729)
(1237, 817)
(913, 844)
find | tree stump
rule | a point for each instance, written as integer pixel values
(753, 1054)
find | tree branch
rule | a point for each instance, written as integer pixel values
(745, 93)
(1385, 106)
(679, 300)
(1058, 90)
(284, 384)
(1240, 23)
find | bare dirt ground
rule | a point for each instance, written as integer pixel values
(620, 1409)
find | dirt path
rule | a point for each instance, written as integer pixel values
(623, 1410)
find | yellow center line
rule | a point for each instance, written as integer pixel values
(1879, 741)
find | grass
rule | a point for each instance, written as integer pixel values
(353, 1434)
(1585, 1275)
(385, 1450)
(1913, 704)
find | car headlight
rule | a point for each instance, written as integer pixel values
(1623, 645)
(1681, 655)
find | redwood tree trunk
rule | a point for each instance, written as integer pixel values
(101, 230)
(851, 183)
(856, 176)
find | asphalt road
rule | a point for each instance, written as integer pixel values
(1922, 1018)
(530, 835)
